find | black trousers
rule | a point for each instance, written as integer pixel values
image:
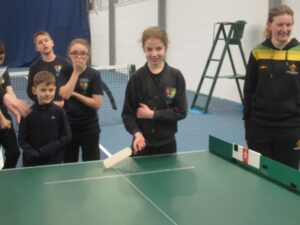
(9, 142)
(88, 140)
(163, 149)
(280, 144)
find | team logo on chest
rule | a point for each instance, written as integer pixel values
(170, 93)
(57, 69)
(292, 70)
(84, 84)
(2, 80)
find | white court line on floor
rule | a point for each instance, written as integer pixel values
(1, 159)
(105, 151)
(119, 175)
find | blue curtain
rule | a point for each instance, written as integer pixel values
(20, 19)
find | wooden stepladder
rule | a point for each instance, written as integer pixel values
(230, 33)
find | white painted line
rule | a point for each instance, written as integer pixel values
(1, 158)
(149, 200)
(119, 175)
(105, 151)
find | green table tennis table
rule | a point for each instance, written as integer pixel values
(191, 188)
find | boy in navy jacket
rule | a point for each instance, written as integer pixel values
(45, 132)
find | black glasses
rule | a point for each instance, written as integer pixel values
(76, 54)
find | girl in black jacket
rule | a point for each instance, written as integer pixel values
(155, 99)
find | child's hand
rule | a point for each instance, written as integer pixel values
(32, 157)
(18, 117)
(59, 103)
(5, 124)
(16, 106)
(79, 66)
(139, 142)
(144, 112)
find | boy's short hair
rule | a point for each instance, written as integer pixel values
(40, 33)
(43, 77)
(2, 47)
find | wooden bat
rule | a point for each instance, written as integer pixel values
(117, 157)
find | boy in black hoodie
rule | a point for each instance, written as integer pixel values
(45, 132)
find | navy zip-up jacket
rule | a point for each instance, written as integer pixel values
(44, 135)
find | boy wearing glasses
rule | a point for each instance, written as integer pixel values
(48, 61)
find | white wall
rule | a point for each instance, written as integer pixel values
(99, 37)
(295, 5)
(131, 19)
(191, 37)
(190, 25)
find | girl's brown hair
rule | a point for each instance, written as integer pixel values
(82, 42)
(155, 32)
(277, 10)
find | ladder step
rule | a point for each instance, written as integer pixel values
(209, 76)
(232, 41)
(217, 60)
(237, 76)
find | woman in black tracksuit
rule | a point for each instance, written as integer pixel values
(155, 99)
(272, 91)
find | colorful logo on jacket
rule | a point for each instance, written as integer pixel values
(170, 94)
(84, 84)
(57, 69)
(292, 69)
(2, 80)
(297, 145)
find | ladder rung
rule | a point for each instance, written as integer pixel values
(218, 60)
(240, 76)
(209, 76)
(232, 41)
(226, 77)
(237, 76)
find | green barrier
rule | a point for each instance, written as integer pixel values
(281, 173)
(273, 170)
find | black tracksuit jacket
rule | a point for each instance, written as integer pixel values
(272, 86)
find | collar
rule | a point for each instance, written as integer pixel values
(43, 107)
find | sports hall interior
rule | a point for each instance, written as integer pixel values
(114, 29)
